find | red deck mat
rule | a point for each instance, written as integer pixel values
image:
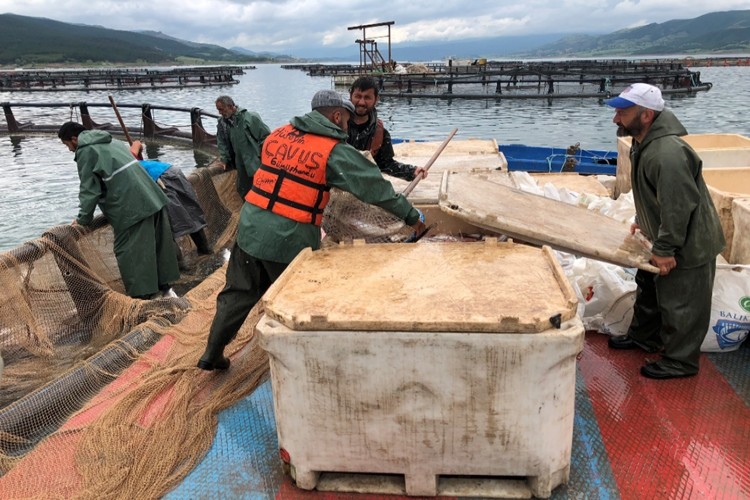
(679, 438)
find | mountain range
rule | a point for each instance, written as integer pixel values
(29, 41)
(717, 32)
(26, 41)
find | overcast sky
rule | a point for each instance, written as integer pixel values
(282, 26)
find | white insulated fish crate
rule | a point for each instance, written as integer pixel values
(436, 362)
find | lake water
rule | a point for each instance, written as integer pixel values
(40, 185)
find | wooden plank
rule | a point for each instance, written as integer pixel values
(457, 147)
(542, 221)
(459, 155)
(428, 287)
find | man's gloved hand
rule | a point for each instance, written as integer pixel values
(419, 228)
(421, 215)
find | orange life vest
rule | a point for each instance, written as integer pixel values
(291, 180)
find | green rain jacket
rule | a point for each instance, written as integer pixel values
(246, 135)
(674, 207)
(112, 178)
(268, 236)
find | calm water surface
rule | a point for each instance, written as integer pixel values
(40, 185)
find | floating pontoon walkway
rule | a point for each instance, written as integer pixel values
(118, 79)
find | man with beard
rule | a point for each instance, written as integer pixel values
(367, 133)
(300, 162)
(675, 212)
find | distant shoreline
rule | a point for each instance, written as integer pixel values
(711, 59)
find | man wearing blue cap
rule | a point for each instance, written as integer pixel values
(675, 212)
(283, 210)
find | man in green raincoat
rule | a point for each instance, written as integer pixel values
(674, 211)
(132, 203)
(240, 134)
(283, 210)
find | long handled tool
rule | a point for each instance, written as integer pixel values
(119, 119)
(139, 155)
(427, 166)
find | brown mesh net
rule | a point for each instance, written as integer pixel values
(346, 218)
(100, 397)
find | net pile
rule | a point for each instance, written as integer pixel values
(346, 218)
(100, 396)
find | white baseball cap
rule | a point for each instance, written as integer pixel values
(641, 94)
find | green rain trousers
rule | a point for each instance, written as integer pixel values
(145, 254)
(673, 312)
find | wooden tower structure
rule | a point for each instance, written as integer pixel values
(370, 58)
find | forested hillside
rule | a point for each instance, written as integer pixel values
(33, 40)
(718, 32)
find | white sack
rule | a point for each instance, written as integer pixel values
(730, 309)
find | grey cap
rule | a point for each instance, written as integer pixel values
(330, 98)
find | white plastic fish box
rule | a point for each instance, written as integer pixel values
(721, 150)
(715, 150)
(441, 363)
(741, 242)
(725, 185)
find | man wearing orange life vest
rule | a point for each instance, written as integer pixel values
(283, 210)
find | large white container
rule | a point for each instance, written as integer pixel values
(727, 185)
(715, 150)
(430, 361)
(741, 242)
(721, 150)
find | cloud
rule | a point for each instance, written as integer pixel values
(285, 25)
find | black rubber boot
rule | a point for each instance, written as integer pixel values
(213, 357)
(221, 364)
(180, 258)
(201, 242)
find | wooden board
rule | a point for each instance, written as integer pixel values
(456, 147)
(540, 220)
(427, 287)
(458, 155)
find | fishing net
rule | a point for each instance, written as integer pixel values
(346, 218)
(100, 396)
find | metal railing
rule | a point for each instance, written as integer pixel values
(147, 127)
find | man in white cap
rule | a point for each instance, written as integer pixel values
(283, 210)
(675, 212)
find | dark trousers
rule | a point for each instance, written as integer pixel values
(247, 280)
(673, 312)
